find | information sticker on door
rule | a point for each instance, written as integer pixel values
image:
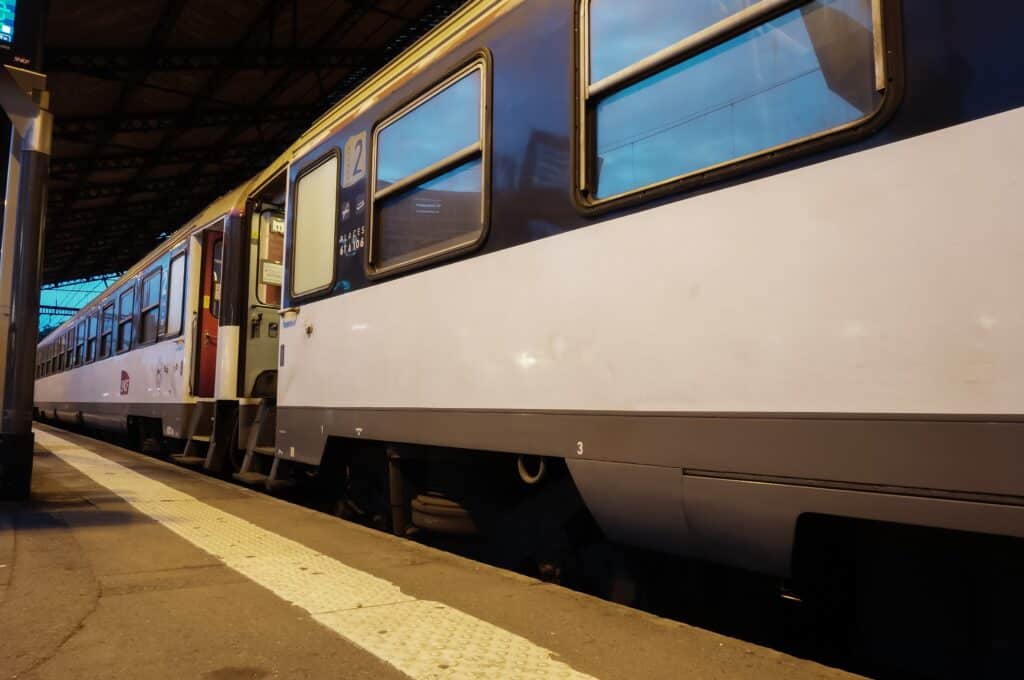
(355, 159)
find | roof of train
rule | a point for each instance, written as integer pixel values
(473, 15)
(160, 106)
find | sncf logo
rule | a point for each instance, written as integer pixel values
(125, 382)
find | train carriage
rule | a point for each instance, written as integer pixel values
(728, 265)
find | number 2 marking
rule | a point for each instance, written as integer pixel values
(355, 159)
(357, 165)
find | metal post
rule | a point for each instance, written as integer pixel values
(25, 100)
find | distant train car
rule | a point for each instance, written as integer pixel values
(730, 265)
(156, 352)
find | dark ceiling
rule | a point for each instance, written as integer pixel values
(160, 106)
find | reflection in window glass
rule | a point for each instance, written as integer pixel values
(806, 72)
(446, 123)
(175, 295)
(622, 33)
(126, 326)
(316, 200)
(444, 211)
(80, 344)
(149, 321)
(106, 331)
(434, 216)
(90, 350)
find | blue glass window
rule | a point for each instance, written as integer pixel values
(430, 175)
(802, 74)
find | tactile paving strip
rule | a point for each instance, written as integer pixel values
(420, 638)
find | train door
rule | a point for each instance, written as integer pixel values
(264, 301)
(208, 315)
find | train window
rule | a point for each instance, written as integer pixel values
(69, 349)
(106, 331)
(316, 209)
(218, 273)
(149, 320)
(175, 295)
(270, 257)
(90, 347)
(80, 344)
(126, 320)
(671, 91)
(430, 174)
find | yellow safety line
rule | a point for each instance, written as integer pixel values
(421, 639)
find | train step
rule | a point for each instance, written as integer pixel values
(259, 447)
(189, 461)
(254, 479)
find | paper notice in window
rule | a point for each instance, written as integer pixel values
(272, 273)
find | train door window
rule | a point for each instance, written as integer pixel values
(175, 295)
(430, 175)
(92, 338)
(671, 91)
(270, 257)
(80, 344)
(126, 320)
(218, 272)
(106, 331)
(315, 224)
(149, 320)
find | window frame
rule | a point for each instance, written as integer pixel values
(69, 348)
(104, 305)
(81, 330)
(259, 261)
(120, 321)
(159, 273)
(176, 255)
(292, 220)
(90, 339)
(482, 61)
(888, 70)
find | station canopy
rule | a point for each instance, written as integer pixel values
(162, 106)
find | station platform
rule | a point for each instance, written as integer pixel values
(125, 566)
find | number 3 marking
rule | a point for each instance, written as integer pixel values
(579, 448)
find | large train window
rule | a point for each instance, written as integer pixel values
(315, 225)
(91, 338)
(430, 174)
(69, 348)
(106, 331)
(149, 320)
(175, 295)
(674, 91)
(126, 320)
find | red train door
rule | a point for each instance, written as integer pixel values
(209, 313)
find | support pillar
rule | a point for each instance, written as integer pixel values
(24, 98)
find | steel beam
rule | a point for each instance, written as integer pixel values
(106, 61)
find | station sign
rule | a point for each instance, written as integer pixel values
(21, 29)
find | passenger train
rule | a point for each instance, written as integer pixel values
(714, 268)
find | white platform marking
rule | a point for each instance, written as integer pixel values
(420, 638)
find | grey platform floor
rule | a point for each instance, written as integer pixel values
(90, 587)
